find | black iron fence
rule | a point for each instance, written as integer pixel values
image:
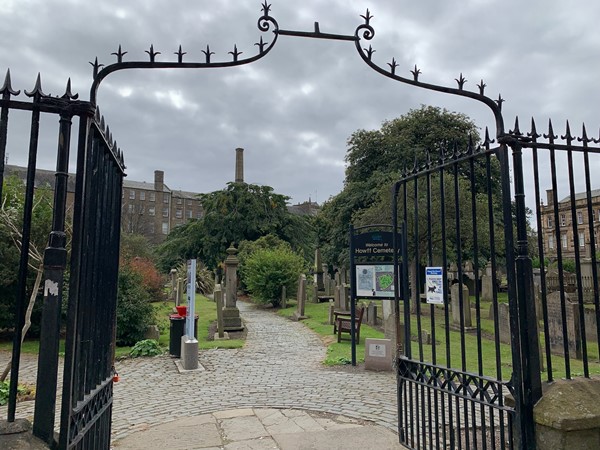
(92, 268)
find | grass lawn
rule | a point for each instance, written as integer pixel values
(205, 308)
(337, 353)
(340, 353)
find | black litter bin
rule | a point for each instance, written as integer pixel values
(177, 330)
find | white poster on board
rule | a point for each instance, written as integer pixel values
(434, 281)
(375, 280)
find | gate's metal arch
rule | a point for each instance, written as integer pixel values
(475, 401)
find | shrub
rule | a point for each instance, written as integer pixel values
(147, 347)
(267, 270)
(152, 280)
(205, 278)
(134, 310)
(247, 248)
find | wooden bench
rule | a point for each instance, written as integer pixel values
(342, 323)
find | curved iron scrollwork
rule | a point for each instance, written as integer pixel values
(367, 32)
(265, 24)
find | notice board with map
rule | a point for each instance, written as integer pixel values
(375, 280)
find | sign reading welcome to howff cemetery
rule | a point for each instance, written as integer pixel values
(374, 244)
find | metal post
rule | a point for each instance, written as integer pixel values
(352, 296)
(55, 261)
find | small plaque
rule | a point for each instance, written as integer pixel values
(377, 350)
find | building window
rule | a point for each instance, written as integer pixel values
(142, 195)
(151, 211)
(551, 241)
(549, 222)
(581, 239)
(563, 220)
(131, 194)
(165, 228)
(179, 214)
(151, 228)
(189, 203)
(199, 215)
(130, 208)
(165, 198)
(189, 214)
(579, 217)
(152, 196)
(165, 212)
(179, 201)
(563, 239)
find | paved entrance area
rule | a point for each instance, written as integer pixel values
(276, 382)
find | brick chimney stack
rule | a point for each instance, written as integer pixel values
(159, 180)
(239, 165)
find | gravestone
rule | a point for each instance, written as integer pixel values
(453, 271)
(487, 285)
(345, 297)
(283, 297)
(173, 285)
(231, 314)
(379, 354)
(319, 271)
(152, 332)
(221, 333)
(372, 314)
(301, 299)
(556, 326)
(456, 309)
(315, 294)
(331, 309)
(503, 323)
(179, 293)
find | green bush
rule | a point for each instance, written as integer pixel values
(134, 310)
(147, 347)
(267, 270)
(247, 248)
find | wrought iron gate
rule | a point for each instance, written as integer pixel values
(93, 265)
(461, 382)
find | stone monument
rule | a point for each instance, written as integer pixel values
(231, 314)
(301, 299)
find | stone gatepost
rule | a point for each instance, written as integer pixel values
(567, 417)
(231, 314)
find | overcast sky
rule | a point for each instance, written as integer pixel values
(293, 110)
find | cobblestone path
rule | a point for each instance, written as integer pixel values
(279, 367)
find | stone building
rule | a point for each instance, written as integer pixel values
(149, 209)
(569, 231)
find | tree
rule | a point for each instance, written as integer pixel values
(376, 160)
(240, 212)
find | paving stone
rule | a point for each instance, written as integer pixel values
(254, 444)
(233, 413)
(240, 428)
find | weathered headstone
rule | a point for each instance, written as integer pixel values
(557, 329)
(173, 295)
(319, 271)
(315, 294)
(330, 316)
(231, 314)
(221, 333)
(372, 314)
(283, 297)
(456, 307)
(504, 323)
(152, 332)
(301, 299)
(487, 288)
(345, 297)
(179, 293)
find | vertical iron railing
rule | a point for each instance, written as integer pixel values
(87, 384)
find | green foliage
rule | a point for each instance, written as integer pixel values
(4, 389)
(11, 224)
(205, 278)
(135, 246)
(241, 212)
(376, 159)
(134, 311)
(267, 270)
(146, 347)
(247, 248)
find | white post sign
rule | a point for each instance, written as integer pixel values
(434, 280)
(191, 297)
